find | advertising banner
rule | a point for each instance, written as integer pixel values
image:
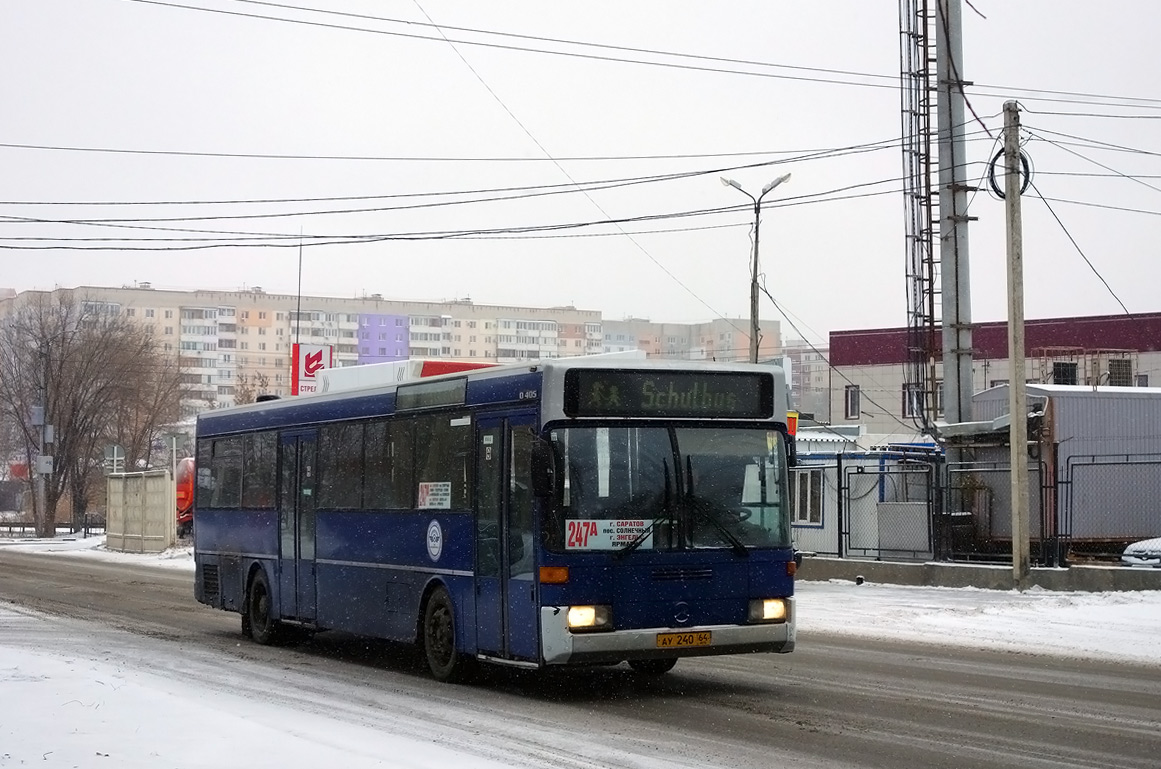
(307, 361)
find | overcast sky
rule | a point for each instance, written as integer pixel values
(364, 115)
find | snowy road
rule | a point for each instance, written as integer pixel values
(125, 670)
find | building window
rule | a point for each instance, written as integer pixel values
(851, 407)
(1064, 373)
(806, 496)
(1142, 380)
(1120, 373)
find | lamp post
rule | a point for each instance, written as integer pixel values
(755, 328)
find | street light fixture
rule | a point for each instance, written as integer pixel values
(755, 329)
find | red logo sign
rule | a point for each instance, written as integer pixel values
(308, 361)
(313, 363)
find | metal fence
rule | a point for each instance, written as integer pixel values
(866, 508)
(1080, 507)
(903, 509)
(91, 526)
(975, 523)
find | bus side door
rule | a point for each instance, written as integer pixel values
(507, 618)
(298, 460)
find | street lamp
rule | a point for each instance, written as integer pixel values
(755, 329)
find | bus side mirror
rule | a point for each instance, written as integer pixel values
(791, 452)
(543, 468)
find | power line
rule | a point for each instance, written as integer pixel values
(320, 240)
(1093, 115)
(1097, 144)
(1097, 163)
(407, 158)
(1105, 206)
(890, 80)
(529, 49)
(578, 43)
(826, 360)
(1079, 250)
(863, 79)
(794, 155)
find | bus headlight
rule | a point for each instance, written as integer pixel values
(582, 618)
(769, 610)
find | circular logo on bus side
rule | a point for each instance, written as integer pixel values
(434, 540)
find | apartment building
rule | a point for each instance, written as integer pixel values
(809, 377)
(232, 342)
(229, 341)
(722, 339)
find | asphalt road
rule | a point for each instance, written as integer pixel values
(833, 703)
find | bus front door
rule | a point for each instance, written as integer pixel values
(298, 460)
(507, 619)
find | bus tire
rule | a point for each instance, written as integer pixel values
(259, 614)
(439, 638)
(653, 667)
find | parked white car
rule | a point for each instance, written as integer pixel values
(1144, 553)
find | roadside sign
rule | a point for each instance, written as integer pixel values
(307, 361)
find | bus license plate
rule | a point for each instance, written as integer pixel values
(676, 640)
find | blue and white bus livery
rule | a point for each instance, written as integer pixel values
(579, 511)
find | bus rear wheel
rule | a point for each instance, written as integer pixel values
(653, 667)
(258, 618)
(439, 638)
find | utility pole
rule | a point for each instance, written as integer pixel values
(953, 219)
(1017, 388)
(755, 323)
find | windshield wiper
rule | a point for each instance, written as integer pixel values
(667, 511)
(701, 510)
(640, 538)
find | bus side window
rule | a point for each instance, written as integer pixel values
(520, 504)
(226, 473)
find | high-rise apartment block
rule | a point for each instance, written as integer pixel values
(228, 341)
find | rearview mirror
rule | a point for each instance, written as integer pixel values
(543, 468)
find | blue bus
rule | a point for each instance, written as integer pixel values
(577, 511)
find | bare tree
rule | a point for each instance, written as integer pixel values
(101, 379)
(250, 387)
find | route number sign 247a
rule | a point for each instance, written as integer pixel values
(606, 534)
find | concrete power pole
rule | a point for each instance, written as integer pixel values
(953, 235)
(1017, 390)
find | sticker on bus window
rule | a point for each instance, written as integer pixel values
(435, 495)
(609, 534)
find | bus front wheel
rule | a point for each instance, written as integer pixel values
(439, 638)
(653, 667)
(258, 618)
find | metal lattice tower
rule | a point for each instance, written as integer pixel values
(919, 89)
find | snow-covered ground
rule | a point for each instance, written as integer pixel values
(122, 714)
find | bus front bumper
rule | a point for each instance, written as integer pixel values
(560, 646)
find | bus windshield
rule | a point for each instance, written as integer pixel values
(667, 488)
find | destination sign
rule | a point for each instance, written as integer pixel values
(681, 394)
